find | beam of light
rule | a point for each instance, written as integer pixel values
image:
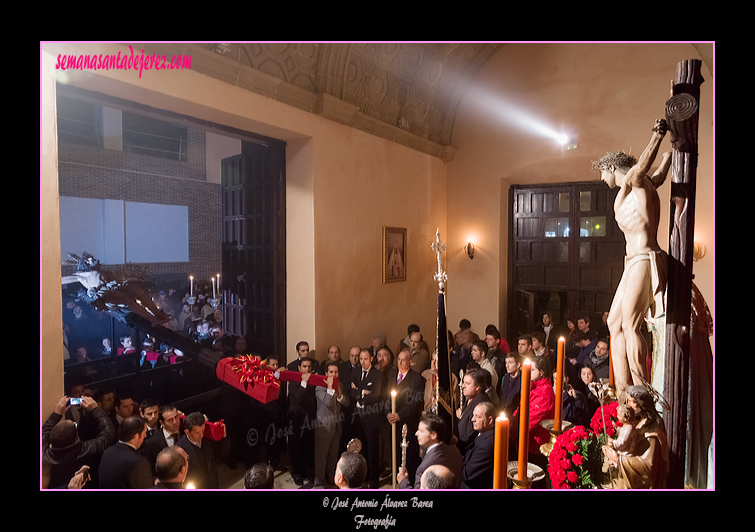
(516, 116)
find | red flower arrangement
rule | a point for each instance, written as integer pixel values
(609, 413)
(576, 460)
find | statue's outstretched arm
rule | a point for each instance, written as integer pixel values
(659, 177)
(638, 172)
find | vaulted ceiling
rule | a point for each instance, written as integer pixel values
(404, 92)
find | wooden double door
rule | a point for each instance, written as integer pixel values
(254, 245)
(566, 253)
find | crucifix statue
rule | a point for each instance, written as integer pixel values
(642, 286)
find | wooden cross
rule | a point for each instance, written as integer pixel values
(682, 112)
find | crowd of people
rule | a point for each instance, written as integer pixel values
(110, 440)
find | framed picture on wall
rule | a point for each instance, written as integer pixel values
(394, 254)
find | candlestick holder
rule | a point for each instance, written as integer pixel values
(550, 426)
(534, 473)
(191, 300)
(611, 393)
(214, 303)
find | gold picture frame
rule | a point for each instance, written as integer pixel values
(394, 254)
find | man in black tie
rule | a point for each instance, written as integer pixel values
(349, 372)
(410, 389)
(368, 414)
(149, 410)
(166, 435)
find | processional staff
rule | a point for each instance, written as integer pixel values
(442, 391)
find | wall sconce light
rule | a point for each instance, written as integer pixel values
(698, 251)
(469, 250)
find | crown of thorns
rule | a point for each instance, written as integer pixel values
(617, 159)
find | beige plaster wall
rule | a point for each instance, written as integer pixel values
(367, 184)
(607, 94)
(51, 300)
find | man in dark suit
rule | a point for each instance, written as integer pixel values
(346, 375)
(473, 389)
(124, 406)
(431, 436)
(122, 465)
(511, 387)
(302, 410)
(203, 472)
(167, 434)
(410, 389)
(302, 352)
(478, 460)
(366, 390)
(334, 355)
(172, 464)
(149, 409)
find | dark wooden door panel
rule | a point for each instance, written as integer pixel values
(254, 246)
(565, 250)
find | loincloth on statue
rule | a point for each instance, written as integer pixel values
(658, 272)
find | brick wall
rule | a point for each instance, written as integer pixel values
(90, 172)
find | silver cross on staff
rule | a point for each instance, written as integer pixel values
(438, 247)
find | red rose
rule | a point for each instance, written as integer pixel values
(572, 477)
(577, 459)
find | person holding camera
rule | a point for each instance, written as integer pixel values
(64, 453)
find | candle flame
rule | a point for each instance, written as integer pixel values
(190, 486)
(393, 393)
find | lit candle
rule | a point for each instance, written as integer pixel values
(393, 439)
(524, 420)
(218, 278)
(213, 288)
(191, 285)
(501, 456)
(559, 385)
